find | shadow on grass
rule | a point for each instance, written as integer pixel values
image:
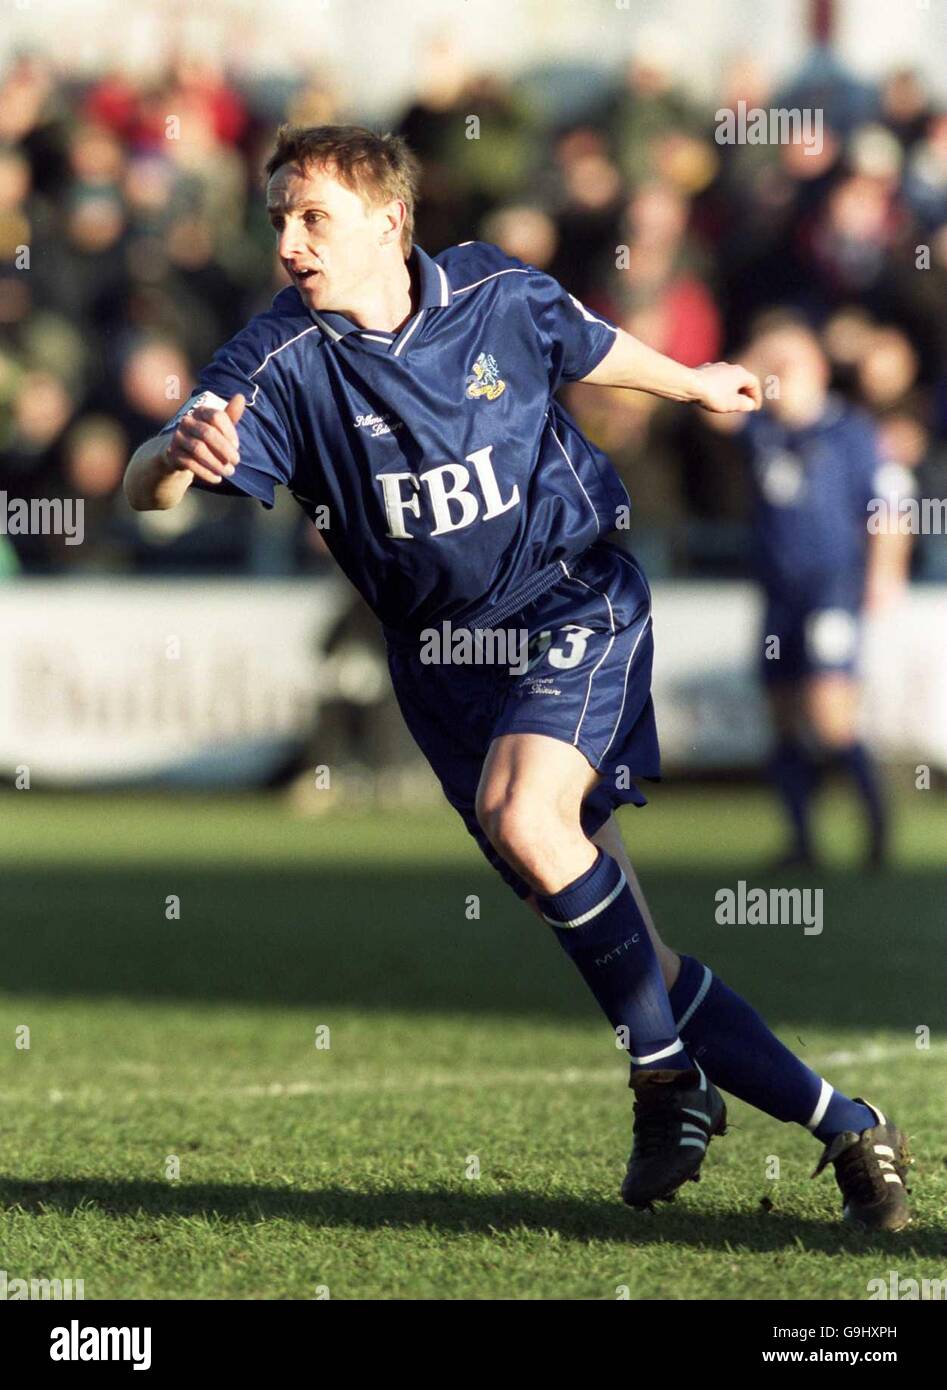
(383, 938)
(456, 1212)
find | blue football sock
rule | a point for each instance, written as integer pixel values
(732, 1044)
(599, 925)
(796, 777)
(856, 760)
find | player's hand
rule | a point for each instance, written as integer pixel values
(725, 388)
(205, 442)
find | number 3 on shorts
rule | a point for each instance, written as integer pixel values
(562, 657)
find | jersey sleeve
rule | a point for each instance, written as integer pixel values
(878, 476)
(266, 450)
(572, 338)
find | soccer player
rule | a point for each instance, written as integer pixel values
(414, 397)
(815, 468)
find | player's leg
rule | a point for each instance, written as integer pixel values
(794, 769)
(741, 1054)
(529, 805)
(738, 1052)
(831, 701)
(733, 1044)
(609, 839)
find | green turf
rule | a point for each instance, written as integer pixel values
(457, 1046)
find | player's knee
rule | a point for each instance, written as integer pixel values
(506, 823)
(509, 823)
(527, 832)
(833, 729)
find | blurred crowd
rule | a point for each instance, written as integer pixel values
(133, 242)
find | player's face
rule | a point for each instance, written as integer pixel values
(797, 362)
(328, 239)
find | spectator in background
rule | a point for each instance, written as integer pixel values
(523, 231)
(660, 296)
(655, 293)
(588, 200)
(97, 159)
(193, 88)
(492, 160)
(905, 106)
(886, 371)
(33, 118)
(650, 121)
(886, 382)
(853, 236)
(40, 410)
(925, 186)
(118, 206)
(429, 125)
(94, 452)
(17, 217)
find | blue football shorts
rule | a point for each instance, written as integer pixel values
(817, 635)
(587, 681)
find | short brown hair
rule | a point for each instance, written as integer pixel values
(376, 167)
(778, 319)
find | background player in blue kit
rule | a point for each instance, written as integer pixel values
(815, 468)
(414, 399)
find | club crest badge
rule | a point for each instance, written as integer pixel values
(484, 381)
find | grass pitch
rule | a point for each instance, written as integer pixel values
(173, 1129)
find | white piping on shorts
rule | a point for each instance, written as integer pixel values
(644, 627)
(611, 643)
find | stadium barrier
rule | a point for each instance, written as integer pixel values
(218, 683)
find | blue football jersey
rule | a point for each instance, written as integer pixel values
(811, 489)
(446, 478)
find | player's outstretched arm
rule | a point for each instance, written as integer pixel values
(889, 569)
(204, 445)
(720, 387)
